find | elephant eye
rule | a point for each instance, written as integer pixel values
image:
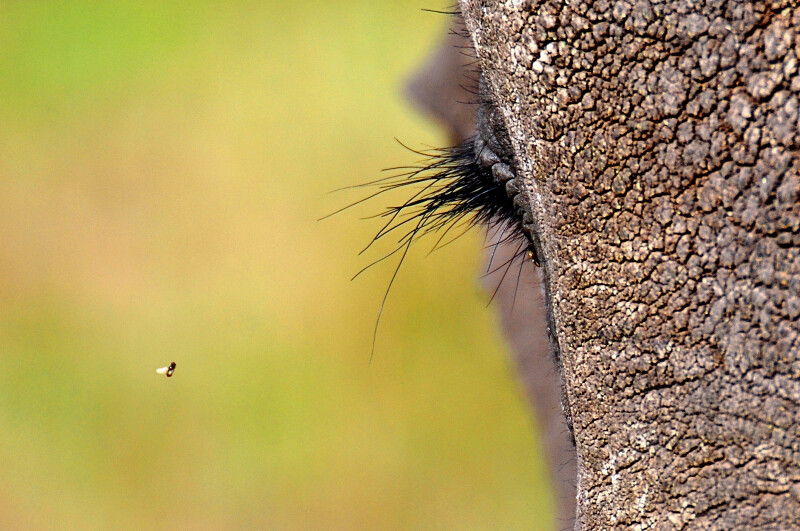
(494, 154)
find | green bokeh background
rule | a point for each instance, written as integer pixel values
(162, 169)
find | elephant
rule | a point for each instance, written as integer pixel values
(651, 160)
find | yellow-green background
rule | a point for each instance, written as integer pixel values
(162, 169)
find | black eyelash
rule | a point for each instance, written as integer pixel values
(457, 188)
(463, 185)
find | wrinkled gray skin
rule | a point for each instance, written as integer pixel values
(445, 87)
(658, 148)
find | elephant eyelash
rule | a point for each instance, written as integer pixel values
(457, 188)
(454, 190)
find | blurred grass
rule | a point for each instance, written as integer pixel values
(162, 168)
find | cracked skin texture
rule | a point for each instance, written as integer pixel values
(658, 144)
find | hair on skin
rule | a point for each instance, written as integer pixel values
(455, 189)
